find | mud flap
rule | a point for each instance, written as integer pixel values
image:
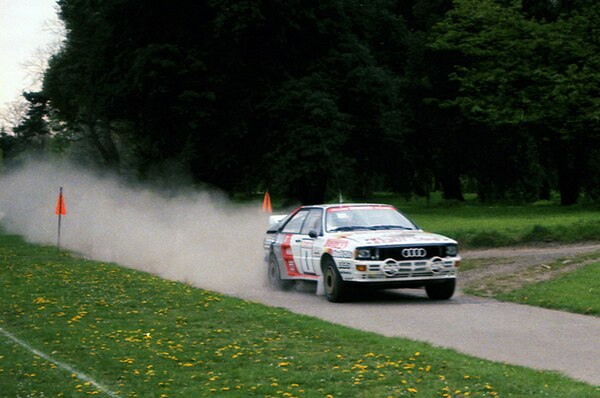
(320, 286)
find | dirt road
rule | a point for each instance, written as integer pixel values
(512, 333)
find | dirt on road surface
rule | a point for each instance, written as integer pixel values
(479, 326)
(492, 271)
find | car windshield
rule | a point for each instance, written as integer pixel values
(354, 218)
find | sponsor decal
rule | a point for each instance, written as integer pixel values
(340, 253)
(307, 243)
(402, 238)
(388, 239)
(336, 243)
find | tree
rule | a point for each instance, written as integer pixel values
(529, 78)
(76, 80)
(33, 133)
(14, 113)
(289, 79)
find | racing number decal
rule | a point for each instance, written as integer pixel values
(306, 255)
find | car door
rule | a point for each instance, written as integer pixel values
(296, 246)
(288, 242)
(304, 244)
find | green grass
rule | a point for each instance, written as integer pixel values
(577, 291)
(141, 336)
(479, 225)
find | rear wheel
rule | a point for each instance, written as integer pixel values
(335, 290)
(274, 274)
(441, 291)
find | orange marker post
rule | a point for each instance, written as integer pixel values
(266, 206)
(61, 210)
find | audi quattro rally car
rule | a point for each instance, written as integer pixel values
(344, 246)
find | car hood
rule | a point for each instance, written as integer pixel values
(393, 237)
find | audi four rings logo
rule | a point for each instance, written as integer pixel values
(414, 252)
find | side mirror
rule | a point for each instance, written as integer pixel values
(313, 234)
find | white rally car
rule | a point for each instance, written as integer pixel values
(346, 246)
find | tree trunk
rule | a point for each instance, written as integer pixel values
(451, 187)
(101, 138)
(568, 180)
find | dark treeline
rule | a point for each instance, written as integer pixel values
(310, 99)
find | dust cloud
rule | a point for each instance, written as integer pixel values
(199, 238)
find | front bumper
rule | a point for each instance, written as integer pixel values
(391, 271)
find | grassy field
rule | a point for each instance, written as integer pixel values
(137, 335)
(477, 225)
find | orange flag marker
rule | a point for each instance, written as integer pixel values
(266, 206)
(61, 210)
(61, 207)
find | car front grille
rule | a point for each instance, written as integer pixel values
(402, 253)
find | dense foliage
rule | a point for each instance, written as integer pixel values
(312, 99)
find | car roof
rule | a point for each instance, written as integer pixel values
(348, 205)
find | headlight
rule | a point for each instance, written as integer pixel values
(451, 250)
(366, 254)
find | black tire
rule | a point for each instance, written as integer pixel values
(335, 289)
(441, 291)
(274, 275)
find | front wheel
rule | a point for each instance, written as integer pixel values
(335, 290)
(441, 291)
(275, 280)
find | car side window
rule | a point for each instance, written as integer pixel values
(313, 222)
(295, 224)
